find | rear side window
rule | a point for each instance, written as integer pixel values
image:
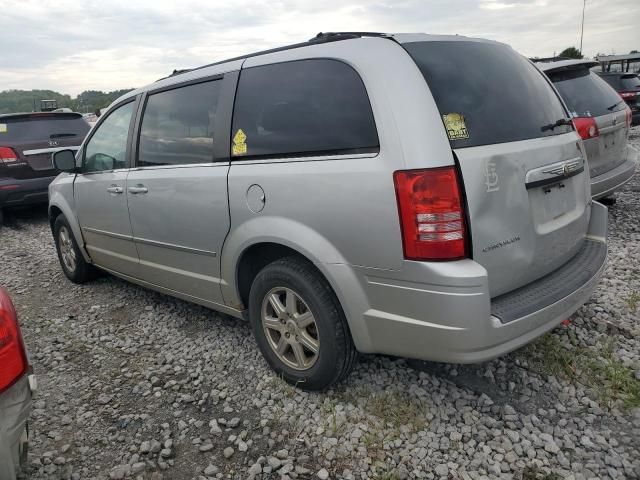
(630, 82)
(177, 125)
(42, 128)
(586, 94)
(487, 93)
(305, 107)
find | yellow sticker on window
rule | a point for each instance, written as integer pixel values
(456, 128)
(3, 127)
(239, 146)
(239, 149)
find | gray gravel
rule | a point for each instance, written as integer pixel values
(135, 384)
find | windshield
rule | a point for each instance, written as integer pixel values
(586, 94)
(487, 93)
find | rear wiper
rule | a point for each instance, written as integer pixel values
(60, 135)
(558, 123)
(615, 105)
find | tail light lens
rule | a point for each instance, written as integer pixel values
(627, 95)
(431, 214)
(7, 155)
(586, 127)
(13, 359)
(629, 117)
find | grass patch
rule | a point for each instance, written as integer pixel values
(633, 301)
(535, 473)
(279, 384)
(383, 472)
(597, 369)
(396, 408)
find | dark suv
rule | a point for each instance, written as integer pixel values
(628, 87)
(26, 143)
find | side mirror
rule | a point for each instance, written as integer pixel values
(64, 160)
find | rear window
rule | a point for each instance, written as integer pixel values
(586, 94)
(630, 82)
(42, 128)
(304, 107)
(487, 93)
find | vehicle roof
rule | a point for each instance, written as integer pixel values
(319, 39)
(8, 116)
(547, 66)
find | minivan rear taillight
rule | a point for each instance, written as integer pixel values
(629, 116)
(7, 155)
(431, 214)
(13, 359)
(627, 95)
(586, 127)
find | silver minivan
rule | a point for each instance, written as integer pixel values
(602, 119)
(412, 195)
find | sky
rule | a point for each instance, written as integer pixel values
(76, 45)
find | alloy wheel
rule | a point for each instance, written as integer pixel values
(290, 328)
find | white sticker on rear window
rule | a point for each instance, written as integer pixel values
(456, 128)
(3, 127)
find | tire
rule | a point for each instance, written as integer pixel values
(71, 260)
(329, 333)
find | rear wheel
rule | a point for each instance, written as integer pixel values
(299, 325)
(72, 262)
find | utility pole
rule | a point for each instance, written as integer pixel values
(584, 4)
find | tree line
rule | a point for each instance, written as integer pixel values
(12, 101)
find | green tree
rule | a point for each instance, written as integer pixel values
(12, 101)
(571, 52)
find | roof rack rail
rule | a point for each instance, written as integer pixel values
(552, 59)
(335, 36)
(321, 37)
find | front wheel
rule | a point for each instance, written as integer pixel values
(72, 262)
(299, 325)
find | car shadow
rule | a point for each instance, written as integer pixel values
(16, 217)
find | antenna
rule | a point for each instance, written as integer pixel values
(584, 4)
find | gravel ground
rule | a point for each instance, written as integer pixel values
(135, 384)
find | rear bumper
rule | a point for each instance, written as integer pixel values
(449, 319)
(15, 192)
(15, 406)
(610, 181)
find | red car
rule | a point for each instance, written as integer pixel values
(17, 386)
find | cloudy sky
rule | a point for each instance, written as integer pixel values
(76, 45)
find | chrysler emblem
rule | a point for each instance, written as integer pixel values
(53, 143)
